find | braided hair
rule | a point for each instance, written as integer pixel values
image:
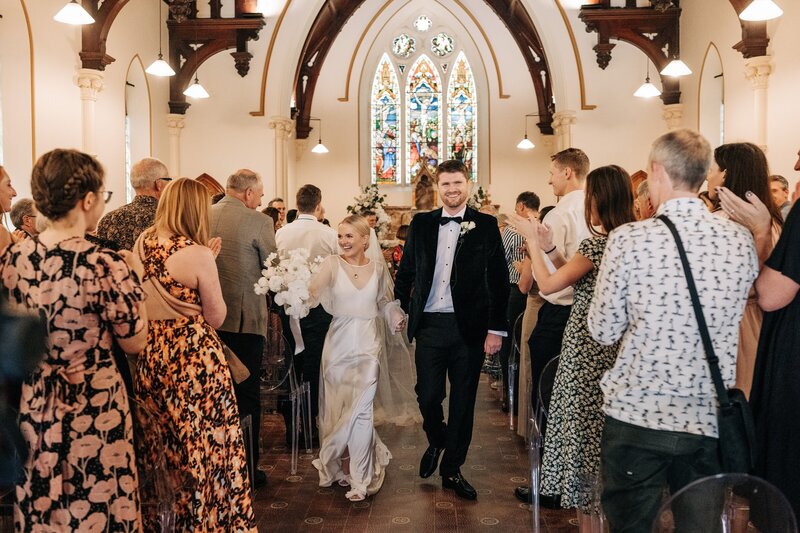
(61, 178)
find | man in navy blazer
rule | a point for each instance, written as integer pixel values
(453, 283)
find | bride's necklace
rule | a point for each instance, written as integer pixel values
(353, 273)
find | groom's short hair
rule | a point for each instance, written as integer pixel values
(308, 198)
(451, 166)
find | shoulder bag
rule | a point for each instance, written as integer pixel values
(737, 441)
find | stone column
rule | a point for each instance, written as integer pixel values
(562, 127)
(284, 127)
(90, 82)
(757, 70)
(175, 123)
(673, 116)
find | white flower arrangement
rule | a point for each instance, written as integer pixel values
(371, 199)
(288, 278)
(466, 227)
(479, 198)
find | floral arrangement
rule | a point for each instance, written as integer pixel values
(479, 198)
(288, 278)
(466, 227)
(371, 199)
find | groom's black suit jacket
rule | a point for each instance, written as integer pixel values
(478, 282)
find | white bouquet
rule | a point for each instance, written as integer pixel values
(288, 278)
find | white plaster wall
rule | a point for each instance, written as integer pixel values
(784, 112)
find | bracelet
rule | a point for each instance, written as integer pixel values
(550, 251)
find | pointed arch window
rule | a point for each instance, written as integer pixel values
(423, 117)
(385, 124)
(462, 116)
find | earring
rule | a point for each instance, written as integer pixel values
(365, 245)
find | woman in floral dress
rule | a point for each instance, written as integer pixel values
(80, 473)
(183, 374)
(575, 422)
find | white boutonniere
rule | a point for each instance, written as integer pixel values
(466, 227)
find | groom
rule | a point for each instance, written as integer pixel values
(453, 283)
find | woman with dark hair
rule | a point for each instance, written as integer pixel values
(575, 422)
(80, 473)
(742, 169)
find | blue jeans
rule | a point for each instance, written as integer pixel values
(638, 463)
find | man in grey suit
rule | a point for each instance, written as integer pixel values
(248, 237)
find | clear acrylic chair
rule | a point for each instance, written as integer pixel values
(726, 503)
(544, 390)
(513, 371)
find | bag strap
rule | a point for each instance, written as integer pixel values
(711, 357)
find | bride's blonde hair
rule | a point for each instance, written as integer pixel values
(360, 224)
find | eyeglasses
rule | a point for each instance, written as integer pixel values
(107, 195)
(164, 179)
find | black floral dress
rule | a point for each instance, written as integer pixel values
(80, 474)
(183, 376)
(575, 425)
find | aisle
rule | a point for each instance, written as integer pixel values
(496, 464)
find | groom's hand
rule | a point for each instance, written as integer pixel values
(492, 343)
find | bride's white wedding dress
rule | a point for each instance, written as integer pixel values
(359, 300)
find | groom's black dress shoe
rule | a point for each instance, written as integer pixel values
(461, 486)
(548, 501)
(429, 461)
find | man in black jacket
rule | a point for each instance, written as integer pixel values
(453, 282)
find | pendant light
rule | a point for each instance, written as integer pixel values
(760, 10)
(74, 13)
(676, 68)
(196, 90)
(525, 143)
(319, 148)
(647, 90)
(159, 67)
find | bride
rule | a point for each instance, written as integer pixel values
(353, 289)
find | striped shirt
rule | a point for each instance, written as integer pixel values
(513, 244)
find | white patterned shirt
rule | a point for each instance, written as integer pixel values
(661, 378)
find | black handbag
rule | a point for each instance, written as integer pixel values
(737, 439)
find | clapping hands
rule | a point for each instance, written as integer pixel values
(533, 231)
(215, 244)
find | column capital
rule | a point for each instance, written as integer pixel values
(175, 123)
(90, 82)
(564, 118)
(757, 71)
(673, 116)
(283, 126)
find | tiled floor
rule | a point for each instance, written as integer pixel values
(497, 463)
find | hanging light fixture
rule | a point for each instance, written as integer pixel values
(647, 90)
(676, 68)
(525, 143)
(73, 13)
(196, 90)
(760, 10)
(319, 148)
(159, 67)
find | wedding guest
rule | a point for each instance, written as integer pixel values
(646, 209)
(456, 304)
(80, 472)
(773, 397)
(527, 205)
(779, 187)
(744, 170)
(273, 213)
(660, 405)
(280, 205)
(567, 221)
(320, 241)
(23, 217)
(291, 215)
(124, 224)
(183, 372)
(248, 238)
(575, 418)
(353, 290)
(397, 251)
(372, 218)
(7, 193)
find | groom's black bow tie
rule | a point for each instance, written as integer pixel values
(447, 220)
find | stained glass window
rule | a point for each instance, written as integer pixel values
(385, 124)
(423, 117)
(462, 116)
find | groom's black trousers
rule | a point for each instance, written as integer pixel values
(442, 352)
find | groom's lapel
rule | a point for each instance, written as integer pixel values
(468, 217)
(432, 237)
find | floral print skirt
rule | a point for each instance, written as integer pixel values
(184, 377)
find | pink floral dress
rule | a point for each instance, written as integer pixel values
(80, 473)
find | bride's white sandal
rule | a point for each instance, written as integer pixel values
(355, 495)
